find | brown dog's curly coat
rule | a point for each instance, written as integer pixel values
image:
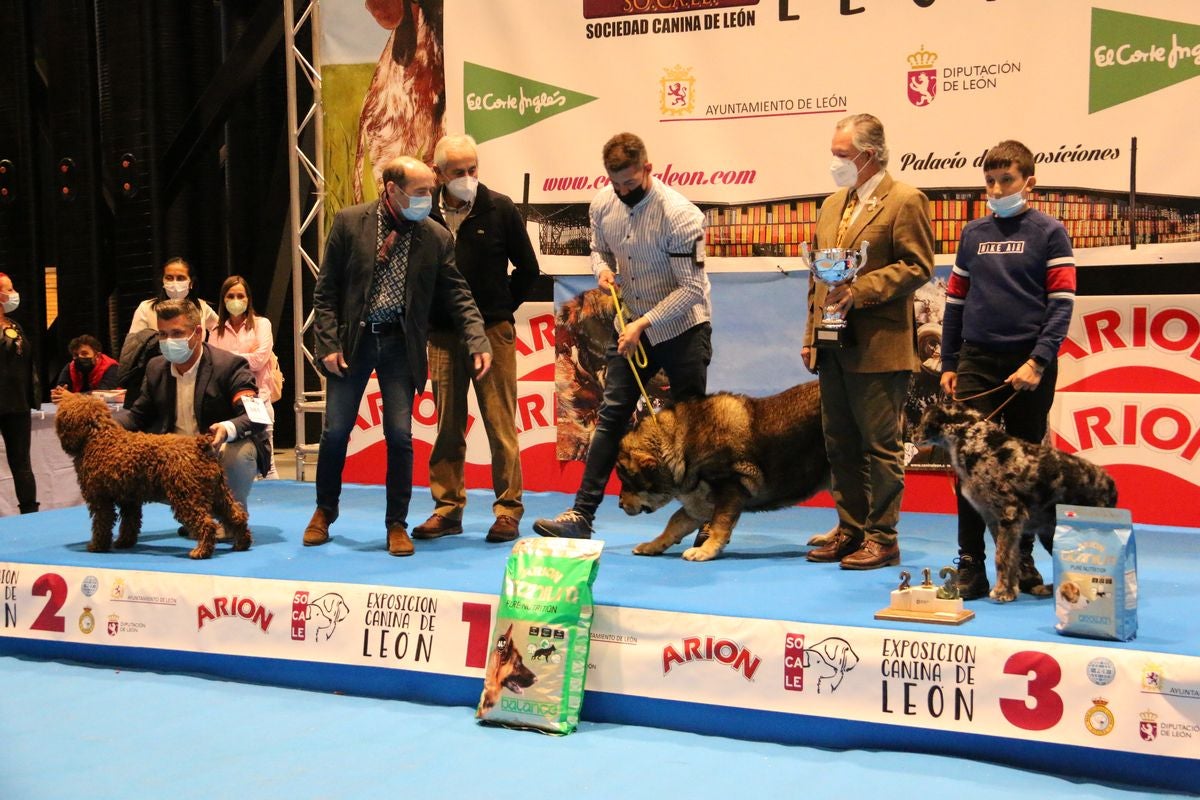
(120, 471)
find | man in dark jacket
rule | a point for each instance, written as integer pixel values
(194, 388)
(489, 234)
(386, 265)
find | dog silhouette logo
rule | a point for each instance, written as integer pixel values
(831, 658)
(326, 611)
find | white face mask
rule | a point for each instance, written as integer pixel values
(177, 290)
(844, 171)
(10, 305)
(464, 188)
(235, 307)
(176, 351)
(1011, 204)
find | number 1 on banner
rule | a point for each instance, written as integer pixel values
(478, 617)
(1044, 674)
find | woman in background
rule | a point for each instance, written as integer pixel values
(176, 284)
(18, 394)
(239, 330)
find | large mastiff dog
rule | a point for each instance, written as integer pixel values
(722, 455)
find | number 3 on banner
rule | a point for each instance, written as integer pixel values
(50, 619)
(1044, 674)
(478, 617)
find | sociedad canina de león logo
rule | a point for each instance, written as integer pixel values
(322, 615)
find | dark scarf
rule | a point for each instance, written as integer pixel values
(396, 225)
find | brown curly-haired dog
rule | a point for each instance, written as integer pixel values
(119, 471)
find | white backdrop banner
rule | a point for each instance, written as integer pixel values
(737, 101)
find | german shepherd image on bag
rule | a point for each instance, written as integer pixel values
(721, 455)
(505, 670)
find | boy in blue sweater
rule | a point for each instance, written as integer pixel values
(1008, 305)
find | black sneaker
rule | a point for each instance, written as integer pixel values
(972, 580)
(570, 524)
(1029, 580)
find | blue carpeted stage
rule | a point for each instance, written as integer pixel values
(760, 644)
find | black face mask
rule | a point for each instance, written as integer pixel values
(84, 364)
(634, 196)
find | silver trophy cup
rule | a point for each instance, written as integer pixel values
(833, 266)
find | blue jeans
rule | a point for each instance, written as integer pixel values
(685, 359)
(384, 354)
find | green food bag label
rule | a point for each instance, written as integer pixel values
(537, 668)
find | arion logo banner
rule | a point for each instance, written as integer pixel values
(1132, 56)
(498, 103)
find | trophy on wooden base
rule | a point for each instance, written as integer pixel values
(833, 266)
(940, 605)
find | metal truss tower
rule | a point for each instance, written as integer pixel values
(306, 175)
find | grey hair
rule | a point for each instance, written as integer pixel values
(866, 133)
(453, 142)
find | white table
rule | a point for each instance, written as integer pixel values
(53, 469)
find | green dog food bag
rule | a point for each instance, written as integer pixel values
(537, 667)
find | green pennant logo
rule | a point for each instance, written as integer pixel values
(1133, 56)
(497, 103)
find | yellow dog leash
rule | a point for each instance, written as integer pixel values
(638, 357)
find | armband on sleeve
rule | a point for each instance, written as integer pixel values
(696, 254)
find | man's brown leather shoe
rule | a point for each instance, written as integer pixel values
(398, 542)
(436, 527)
(873, 555)
(317, 531)
(841, 545)
(504, 529)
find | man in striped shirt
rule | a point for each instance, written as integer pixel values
(648, 240)
(1008, 306)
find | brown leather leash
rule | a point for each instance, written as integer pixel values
(985, 393)
(954, 475)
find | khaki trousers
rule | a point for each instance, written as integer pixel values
(450, 369)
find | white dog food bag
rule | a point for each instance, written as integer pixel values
(537, 667)
(1095, 573)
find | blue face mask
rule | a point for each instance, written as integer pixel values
(418, 208)
(1010, 205)
(176, 351)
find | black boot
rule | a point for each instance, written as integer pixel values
(972, 580)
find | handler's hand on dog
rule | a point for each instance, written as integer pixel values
(483, 362)
(58, 393)
(1026, 378)
(950, 384)
(219, 433)
(606, 279)
(334, 363)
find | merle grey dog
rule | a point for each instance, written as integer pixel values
(1013, 484)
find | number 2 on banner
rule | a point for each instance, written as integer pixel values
(1047, 707)
(478, 617)
(50, 619)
